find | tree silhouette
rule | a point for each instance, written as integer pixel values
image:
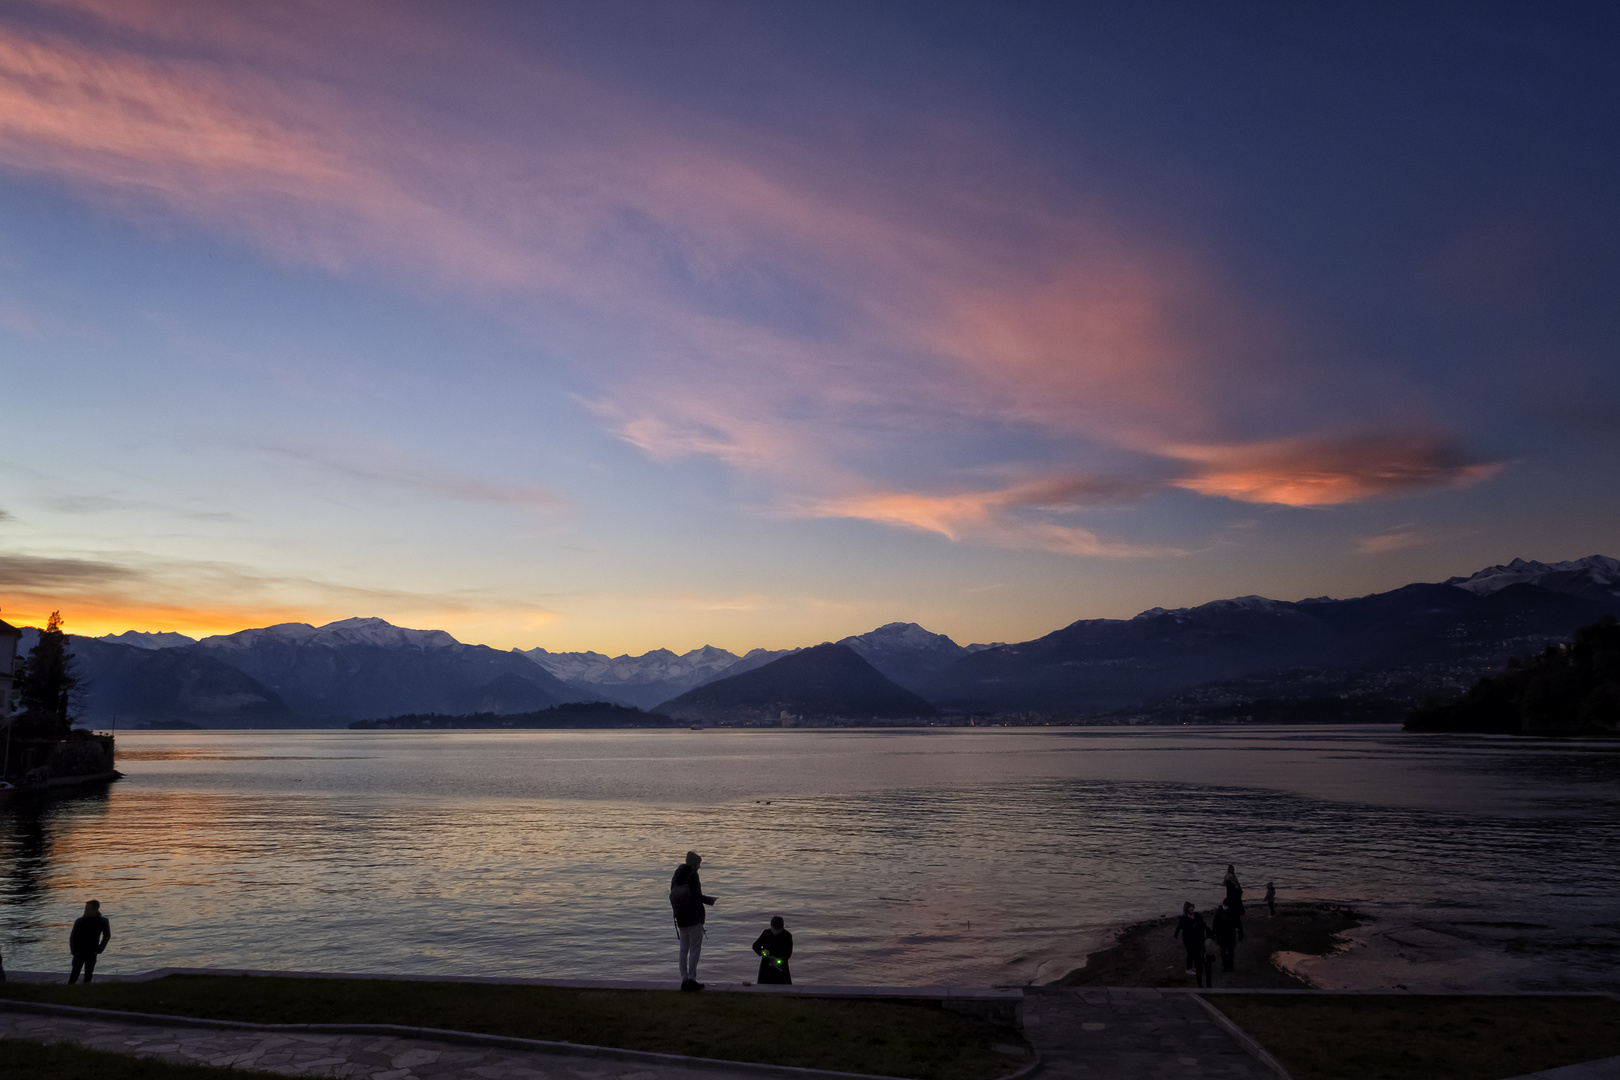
(49, 688)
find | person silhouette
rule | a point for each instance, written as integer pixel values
(1234, 898)
(1271, 898)
(1226, 934)
(774, 945)
(1193, 932)
(89, 937)
(687, 899)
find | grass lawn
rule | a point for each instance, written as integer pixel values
(21, 1060)
(882, 1037)
(1354, 1037)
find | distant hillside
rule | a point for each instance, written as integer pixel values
(297, 675)
(1433, 635)
(1569, 689)
(131, 683)
(829, 680)
(361, 668)
(1248, 659)
(579, 714)
(910, 655)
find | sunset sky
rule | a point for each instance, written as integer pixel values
(624, 325)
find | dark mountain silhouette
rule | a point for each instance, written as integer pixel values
(1572, 688)
(908, 654)
(296, 675)
(1249, 658)
(361, 668)
(1434, 634)
(826, 681)
(130, 684)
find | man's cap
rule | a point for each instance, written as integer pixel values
(777, 923)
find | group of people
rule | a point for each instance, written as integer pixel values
(1218, 937)
(773, 947)
(1204, 941)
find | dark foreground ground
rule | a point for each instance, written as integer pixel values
(20, 1060)
(888, 1038)
(1406, 1037)
(1146, 955)
(1126, 1034)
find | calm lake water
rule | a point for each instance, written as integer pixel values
(961, 856)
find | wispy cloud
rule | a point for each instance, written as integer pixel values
(1397, 539)
(998, 516)
(392, 469)
(1329, 471)
(35, 574)
(108, 504)
(808, 314)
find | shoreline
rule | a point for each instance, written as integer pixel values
(1145, 954)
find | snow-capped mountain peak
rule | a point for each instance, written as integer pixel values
(162, 639)
(598, 669)
(900, 636)
(374, 632)
(382, 633)
(1599, 572)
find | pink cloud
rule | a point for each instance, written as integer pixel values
(1326, 472)
(992, 516)
(944, 312)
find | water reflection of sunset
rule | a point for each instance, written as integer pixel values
(896, 856)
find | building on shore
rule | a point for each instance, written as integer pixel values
(9, 637)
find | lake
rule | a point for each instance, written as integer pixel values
(897, 857)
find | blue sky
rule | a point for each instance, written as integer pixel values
(620, 326)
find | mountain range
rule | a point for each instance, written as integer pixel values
(1244, 658)
(830, 680)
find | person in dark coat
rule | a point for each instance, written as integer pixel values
(1271, 897)
(1193, 932)
(1226, 934)
(1234, 898)
(774, 946)
(90, 934)
(687, 899)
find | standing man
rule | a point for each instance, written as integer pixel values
(89, 937)
(687, 899)
(1234, 898)
(1193, 932)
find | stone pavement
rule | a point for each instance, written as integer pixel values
(1131, 1034)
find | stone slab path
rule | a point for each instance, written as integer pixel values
(1132, 1034)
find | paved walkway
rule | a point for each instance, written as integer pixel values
(1132, 1034)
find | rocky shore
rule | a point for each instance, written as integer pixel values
(1145, 954)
